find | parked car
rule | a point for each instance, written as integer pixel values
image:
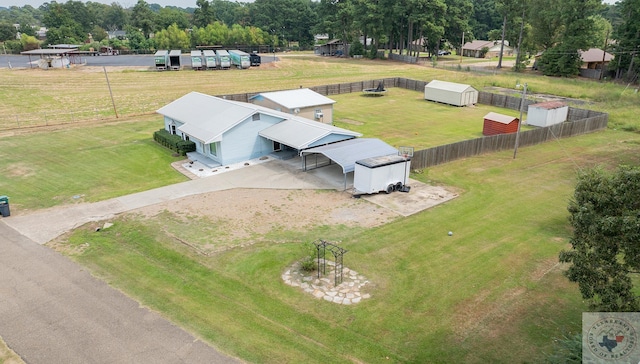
(443, 53)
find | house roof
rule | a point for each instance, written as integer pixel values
(347, 152)
(301, 133)
(477, 45)
(595, 55)
(504, 119)
(448, 86)
(296, 98)
(206, 117)
(549, 105)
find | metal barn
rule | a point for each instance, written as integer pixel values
(450, 93)
(495, 123)
(547, 113)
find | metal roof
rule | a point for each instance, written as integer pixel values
(501, 118)
(301, 133)
(448, 86)
(161, 53)
(175, 52)
(595, 55)
(49, 51)
(296, 98)
(206, 117)
(347, 152)
(196, 53)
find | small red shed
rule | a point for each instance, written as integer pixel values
(495, 123)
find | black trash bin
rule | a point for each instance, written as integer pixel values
(4, 206)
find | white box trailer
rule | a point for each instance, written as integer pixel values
(174, 59)
(223, 59)
(210, 59)
(387, 173)
(196, 60)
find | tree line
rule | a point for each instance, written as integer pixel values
(557, 29)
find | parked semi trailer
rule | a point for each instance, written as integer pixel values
(162, 60)
(196, 60)
(209, 59)
(240, 59)
(174, 59)
(255, 59)
(223, 59)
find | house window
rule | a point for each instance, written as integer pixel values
(213, 149)
(186, 137)
(173, 129)
(277, 146)
(255, 117)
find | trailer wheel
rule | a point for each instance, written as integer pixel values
(398, 186)
(389, 188)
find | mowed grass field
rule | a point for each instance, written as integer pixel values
(492, 292)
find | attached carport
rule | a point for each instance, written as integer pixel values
(345, 154)
(300, 133)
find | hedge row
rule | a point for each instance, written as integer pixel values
(174, 142)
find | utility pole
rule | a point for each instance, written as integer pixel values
(110, 93)
(604, 53)
(524, 97)
(461, 50)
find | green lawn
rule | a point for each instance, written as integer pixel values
(490, 293)
(89, 164)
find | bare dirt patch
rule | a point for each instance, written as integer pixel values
(241, 217)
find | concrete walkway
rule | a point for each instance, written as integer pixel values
(45, 225)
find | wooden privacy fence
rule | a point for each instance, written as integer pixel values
(579, 121)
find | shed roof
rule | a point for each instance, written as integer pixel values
(347, 152)
(449, 86)
(296, 98)
(196, 53)
(504, 119)
(549, 105)
(161, 53)
(175, 52)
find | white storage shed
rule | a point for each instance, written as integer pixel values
(387, 173)
(547, 113)
(451, 93)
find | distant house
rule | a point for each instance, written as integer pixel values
(475, 49)
(547, 113)
(495, 123)
(302, 102)
(451, 93)
(594, 61)
(334, 47)
(227, 132)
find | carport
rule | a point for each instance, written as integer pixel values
(300, 133)
(345, 154)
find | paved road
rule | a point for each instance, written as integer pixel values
(53, 311)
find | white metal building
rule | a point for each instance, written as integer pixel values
(301, 102)
(451, 93)
(547, 113)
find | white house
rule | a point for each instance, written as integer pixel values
(547, 113)
(302, 102)
(229, 132)
(451, 93)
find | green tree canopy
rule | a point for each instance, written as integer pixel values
(605, 247)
